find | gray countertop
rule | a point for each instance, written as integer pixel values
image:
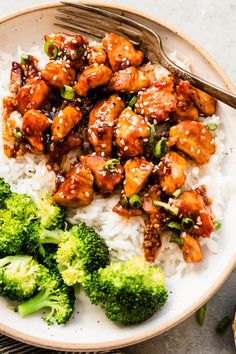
(211, 23)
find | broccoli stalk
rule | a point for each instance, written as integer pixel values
(129, 292)
(53, 295)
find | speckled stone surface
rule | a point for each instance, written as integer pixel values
(212, 24)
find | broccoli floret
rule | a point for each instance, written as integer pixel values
(52, 215)
(12, 234)
(5, 192)
(18, 277)
(53, 295)
(128, 292)
(81, 252)
(22, 207)
(39, 237)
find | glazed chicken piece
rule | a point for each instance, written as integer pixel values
(77, 189)
(57, 74)
(191, 204)
(64, 122)
(8, 126)
(72, 46)
(72, 142)
(204, 102)
(194, 139)
(185, 110)
(104, 179)
(92, 77)
(172, 171)
(130, 132)
(153, 193)
(32, 95)
(97, 55)
(128, 80)
(157, 101)
(16, 77)
(192, 251)
(101, 123)
(34, 124)
(121, 53)
(137, 172)
(122, 211)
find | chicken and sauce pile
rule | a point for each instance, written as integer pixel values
(134, 134)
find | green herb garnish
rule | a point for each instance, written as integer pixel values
(166, 206)
(160, 148)
(200, 314)
(132, 101)
(174, 225)
(135, 201)
(177, 193)
(223, 324)
(51, 50)
(212, 126)
(24, 59)
(176, 239)
(187, 223)
(110, 165)
(217, 225)
(67, 92)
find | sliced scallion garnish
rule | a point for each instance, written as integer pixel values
(110, 165)
(177, 193)
(223, 324)
(174, 225)
(24, 59)
(212, 126)
(132, 101)
(124, 201)
(152, 134)
(172, 210)
(68, 92)
(17, 133)
(187, 224)
(135, 201)
(176, 239)
(51, 50)
(200, 315)
(160, 148)
(217, 225)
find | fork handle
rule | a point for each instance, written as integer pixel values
(213, 90)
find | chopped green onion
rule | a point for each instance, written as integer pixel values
(217, 225)
(177, 193)
(152, 133)
(200, 315)
(176, 239)
(223, 324)
(17, 133)
(160, 148)
(135, 201)
(167, 207)
(132, 101)
(110, 165)
(212, 126)
(124, 201)
(68, 92)
(51, 50)
(24, 58)
(187, 223)
(174, 225)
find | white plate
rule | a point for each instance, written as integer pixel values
(90, 330)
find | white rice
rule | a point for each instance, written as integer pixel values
(123, 236)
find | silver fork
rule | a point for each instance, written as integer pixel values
(94, 22)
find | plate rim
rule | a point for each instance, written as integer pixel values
(51, 344)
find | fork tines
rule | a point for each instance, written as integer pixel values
(95, 22)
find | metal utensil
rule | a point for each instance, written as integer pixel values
(94, 22)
